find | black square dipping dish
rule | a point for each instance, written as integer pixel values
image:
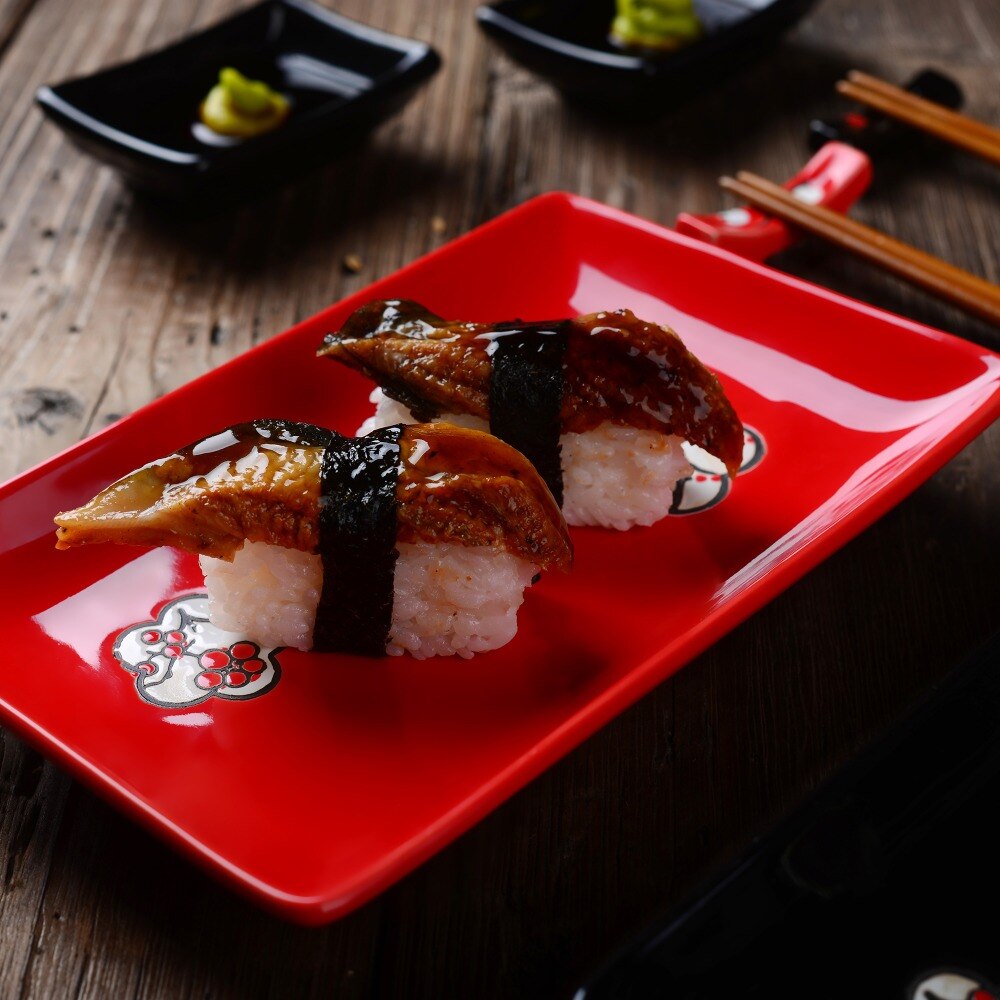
(340, 76)
(567, 42)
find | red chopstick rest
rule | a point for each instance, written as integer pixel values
(835, 177)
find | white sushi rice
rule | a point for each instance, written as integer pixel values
(613, 476)
(267, 593)
(448, 598)
(455, 599)
(620, 477)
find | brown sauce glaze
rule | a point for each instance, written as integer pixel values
(419, 359)
(465, 486)
(617, 368)
(261, 481)
(622, 369)
(256, 482)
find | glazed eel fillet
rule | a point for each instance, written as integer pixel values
(261, 482)
(541, 378)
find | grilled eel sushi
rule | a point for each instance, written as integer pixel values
(418, 538)
(601, 404)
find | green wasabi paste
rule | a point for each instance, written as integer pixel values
(655, 24)
(240, 107)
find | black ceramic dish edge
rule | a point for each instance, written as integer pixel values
(179, 175)
(635, 82)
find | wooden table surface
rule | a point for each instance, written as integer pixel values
(106, 303)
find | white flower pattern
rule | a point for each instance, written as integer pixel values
(182, 659)
(709, 485)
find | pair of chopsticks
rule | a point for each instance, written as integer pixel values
(960, 130)
(975, 295)
(949, 282)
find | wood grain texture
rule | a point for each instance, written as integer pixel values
(106, 303)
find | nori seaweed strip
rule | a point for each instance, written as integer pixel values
(290, 431)
(526, 390)
(357, 531)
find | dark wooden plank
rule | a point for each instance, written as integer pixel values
(106, 303)
(13, 13)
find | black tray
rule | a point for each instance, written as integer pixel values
(882, 884)
(566, 41)
(342, 77)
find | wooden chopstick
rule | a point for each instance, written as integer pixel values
(939, 111)
(960, 130)
(965, 290)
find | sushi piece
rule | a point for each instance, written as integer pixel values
(417, 538)
(601, 404)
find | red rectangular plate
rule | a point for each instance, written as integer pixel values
(343, 775)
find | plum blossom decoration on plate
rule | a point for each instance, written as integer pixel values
(708, 485)
(181, 659)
